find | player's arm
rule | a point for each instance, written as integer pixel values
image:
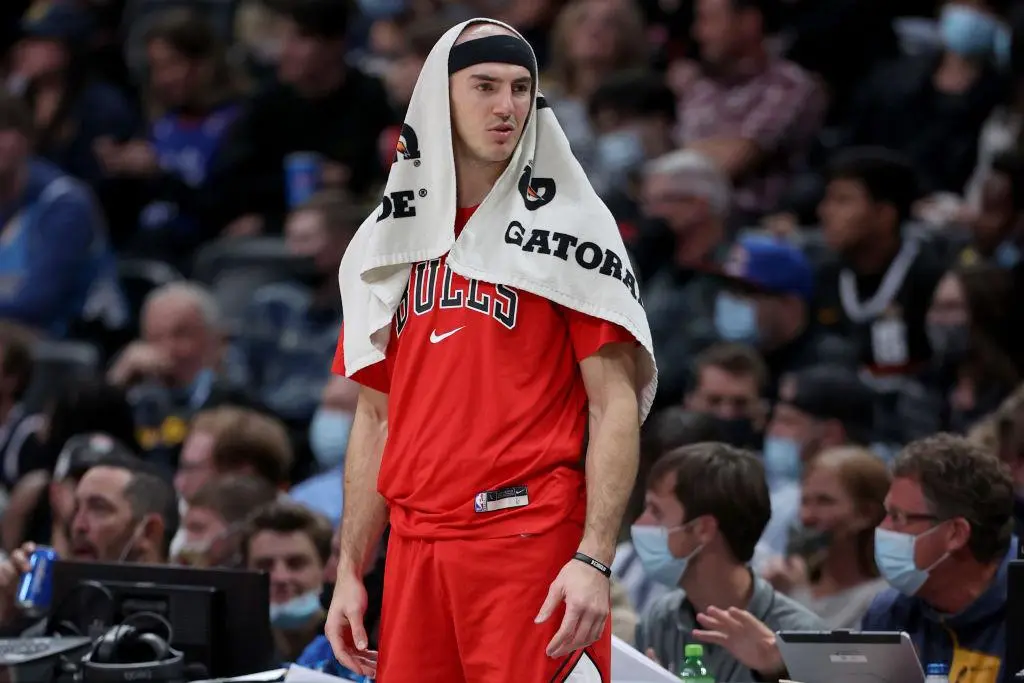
(365, 512)
(613, 451)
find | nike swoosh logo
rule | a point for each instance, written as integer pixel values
(435, 337)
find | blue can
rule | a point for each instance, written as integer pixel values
(35, 590)
(302, 177)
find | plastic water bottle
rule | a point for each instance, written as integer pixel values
(693, 665)
(936, 672)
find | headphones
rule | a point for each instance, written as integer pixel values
(129, 652)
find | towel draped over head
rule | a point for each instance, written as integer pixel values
(541, 228)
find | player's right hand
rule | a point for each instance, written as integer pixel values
(344, 628)
(11, 570)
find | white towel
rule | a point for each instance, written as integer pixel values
(541, 229)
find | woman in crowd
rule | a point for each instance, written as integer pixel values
(830, 567)
(975, 359)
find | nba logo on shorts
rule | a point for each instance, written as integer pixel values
(480, 502)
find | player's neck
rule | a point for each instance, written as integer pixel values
(474, 179)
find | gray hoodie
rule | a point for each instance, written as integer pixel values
(667, 625)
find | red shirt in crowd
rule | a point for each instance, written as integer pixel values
(485, 395)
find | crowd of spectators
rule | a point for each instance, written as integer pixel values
(823, 202)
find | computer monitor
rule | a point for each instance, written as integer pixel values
(220, 617)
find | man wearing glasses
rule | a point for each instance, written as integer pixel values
(944, 547)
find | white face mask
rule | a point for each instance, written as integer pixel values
(130, 545)
(296, 613)
(894, 555)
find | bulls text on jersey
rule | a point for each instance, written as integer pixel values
(428, 276)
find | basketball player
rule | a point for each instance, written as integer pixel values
(515, 587)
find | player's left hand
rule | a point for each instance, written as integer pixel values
(585, 592)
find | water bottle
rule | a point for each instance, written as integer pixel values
(693, 665)
(937, 672)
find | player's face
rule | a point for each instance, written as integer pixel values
(489, 103)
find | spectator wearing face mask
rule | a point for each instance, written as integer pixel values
(897, 107)
(292, 544)
(818, 407)
(215, 517)
(830, 558)
(124, 511)
(663, 432)
(632, 114)
(975, 357)
(944, 547)
(728, 384)
(694, 536)
(691, 196)
(590, 40)
(768, 303)
(328, 439)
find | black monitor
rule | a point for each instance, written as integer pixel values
(220, 617)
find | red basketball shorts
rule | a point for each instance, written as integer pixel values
(463, 611)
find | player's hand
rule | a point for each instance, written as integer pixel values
(586, 593)
(11, 570)
(746, 638)
(344, 628)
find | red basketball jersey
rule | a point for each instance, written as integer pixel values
(487, 411)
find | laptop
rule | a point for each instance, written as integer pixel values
(849, 657)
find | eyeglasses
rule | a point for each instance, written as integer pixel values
(901, 518)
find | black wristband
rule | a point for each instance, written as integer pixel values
(596, 564)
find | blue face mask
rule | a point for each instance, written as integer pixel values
(782, 459)
(894, 556)
(297, 612)
(735, 319)
(968, 32)
(619, 152)
(328, 437)
(651, 545)
(1007, 255)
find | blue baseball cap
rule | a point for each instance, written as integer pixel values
(65, 20)
(770, 266)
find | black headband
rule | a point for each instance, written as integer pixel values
(503, 48)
